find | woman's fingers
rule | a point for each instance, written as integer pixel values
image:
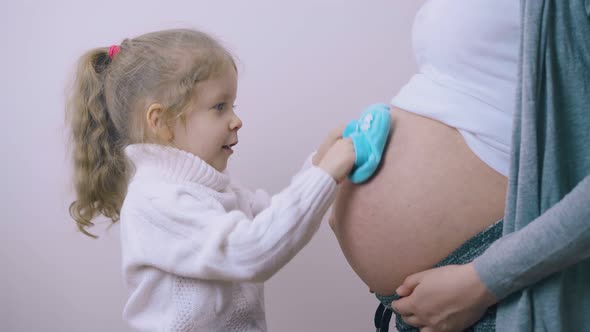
(403, 306)
(407, 287)
(412, 320)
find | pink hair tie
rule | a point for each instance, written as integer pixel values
(113, 50)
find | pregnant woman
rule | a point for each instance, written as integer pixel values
(439, 196)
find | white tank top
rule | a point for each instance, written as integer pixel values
(467, 53)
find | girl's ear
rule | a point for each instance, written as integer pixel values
(156, 123)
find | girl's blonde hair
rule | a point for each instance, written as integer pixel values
(109, 100)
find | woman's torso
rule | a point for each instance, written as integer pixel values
(443, 177)
(430, 195)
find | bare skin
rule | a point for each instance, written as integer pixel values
(431, 194)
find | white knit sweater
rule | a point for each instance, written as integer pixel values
(196, 248)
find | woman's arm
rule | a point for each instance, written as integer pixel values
(558, 238)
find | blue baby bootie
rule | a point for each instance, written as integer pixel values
(369, 135)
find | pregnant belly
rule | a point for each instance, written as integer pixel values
(431, 194)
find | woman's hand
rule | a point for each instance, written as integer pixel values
(449, 298)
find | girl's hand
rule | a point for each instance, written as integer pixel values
(334, 135)
(339, 159)
(449, 298)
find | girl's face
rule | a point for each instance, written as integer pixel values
(211, 127)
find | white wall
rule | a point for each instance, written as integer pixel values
(305, 66)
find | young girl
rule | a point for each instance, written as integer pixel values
(153, 125)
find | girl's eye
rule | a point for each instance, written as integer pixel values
(219, 107)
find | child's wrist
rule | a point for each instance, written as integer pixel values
(315, 159)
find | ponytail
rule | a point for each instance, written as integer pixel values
(100, 175)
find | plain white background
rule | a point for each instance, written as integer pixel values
(305, 66)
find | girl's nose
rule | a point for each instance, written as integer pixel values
(236, 123)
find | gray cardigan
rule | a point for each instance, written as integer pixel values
(540, 267)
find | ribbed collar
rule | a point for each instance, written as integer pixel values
(174, 165)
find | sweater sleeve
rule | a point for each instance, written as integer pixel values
(555, 240)
(208, 243)
(260, 199)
